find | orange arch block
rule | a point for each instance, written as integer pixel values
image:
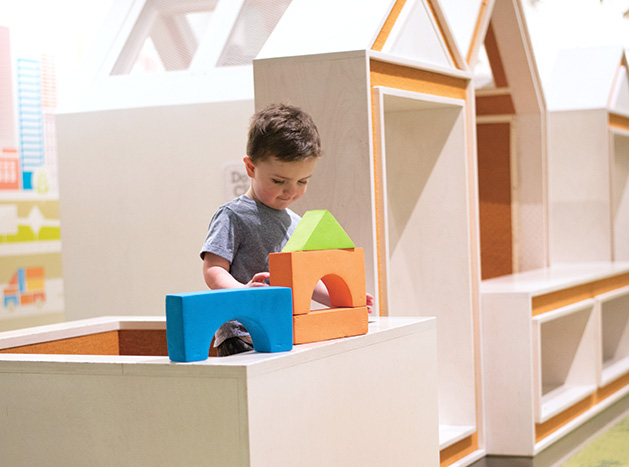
(343, 273)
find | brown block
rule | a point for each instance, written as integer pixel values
(332, 323)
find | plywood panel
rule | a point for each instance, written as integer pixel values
(333, 89)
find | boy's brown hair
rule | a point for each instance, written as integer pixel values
(283, 131)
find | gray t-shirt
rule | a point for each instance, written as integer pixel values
(244, 232)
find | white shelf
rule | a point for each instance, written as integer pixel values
(562, 398)
(614, 312)
(450, 434)
(422, 134)
(537, 367)
(565, 357)
(614, 370)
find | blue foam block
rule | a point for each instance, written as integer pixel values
(193, 318)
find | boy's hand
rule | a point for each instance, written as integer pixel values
(370, 301)
(258, 280)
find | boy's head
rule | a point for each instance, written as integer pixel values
(282, 150)
(285, 132)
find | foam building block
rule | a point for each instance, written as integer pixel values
(318, 230)
(193, 318)
(342, 272)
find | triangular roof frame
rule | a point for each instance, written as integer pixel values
(397, 25)
(191, 62)
(511, 55)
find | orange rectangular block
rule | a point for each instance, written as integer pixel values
(331, 323)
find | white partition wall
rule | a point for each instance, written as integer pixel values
(579, 191)
(139, 187)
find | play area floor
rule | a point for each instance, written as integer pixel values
(609, 449)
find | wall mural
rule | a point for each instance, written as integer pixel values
(30, 236)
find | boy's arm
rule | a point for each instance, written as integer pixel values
(322, 296)
(217, 276)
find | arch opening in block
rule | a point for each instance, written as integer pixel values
(338, 269)
(339, 291)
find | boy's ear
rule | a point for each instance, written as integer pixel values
(249, 166)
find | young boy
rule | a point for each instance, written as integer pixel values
(282, 149)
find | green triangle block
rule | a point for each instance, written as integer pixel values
(318, 230)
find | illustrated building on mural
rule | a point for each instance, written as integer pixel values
(29, 207)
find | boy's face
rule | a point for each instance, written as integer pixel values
(277, 184)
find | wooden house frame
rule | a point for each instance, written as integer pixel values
(556, 339)
(512, 150)
(393, 98)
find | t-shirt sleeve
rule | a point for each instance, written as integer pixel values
(221, 237)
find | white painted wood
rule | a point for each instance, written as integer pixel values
(416, 36)
(326, 26)
(620, 194)
(68, 330)
(107, 86)
(213, 41)
(458, 55)
(518, 357)
(565, 357)
(315, 405)
(554, 278)
(119, 24)
(529, 177)
(419, 64)
(579, 186)
(614, 310)
(154, 176)
(583, 428)
(333, 89)
(449, 435)
(507, 368)
(326, 419)
(516, 54)
(425, 189)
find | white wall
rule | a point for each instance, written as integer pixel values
(137, 190)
